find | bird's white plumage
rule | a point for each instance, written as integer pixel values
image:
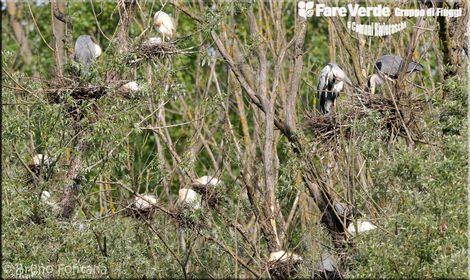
(145, 201)
(331, 73)
(130, 86)
(98, 51)
(45, 196)
(40, 159)
(188, 196)
(374, 80)
(284, 256)
(153, 41)
(165, 24)
(362, 226)
(208, 180)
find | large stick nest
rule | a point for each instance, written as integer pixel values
(399, 115)
(144, 213)
(210, 194)
(283, 269)
(186, 217)
(327, 127)
(150, 50)
(56, 90)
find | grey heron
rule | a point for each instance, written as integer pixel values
(165, 24)
(86, 51)
(330, 84)
(390, 64)
(387, 67)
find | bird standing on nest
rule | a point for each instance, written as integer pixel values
(387, 66)
(86, 51)
(330, 84)
(165, 24)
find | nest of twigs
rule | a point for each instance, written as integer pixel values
(399, 115)
(57, 90)
(140, 212)
(327, 128)
(150, 50)
(209, 194)
(283, 269)
(186, 217)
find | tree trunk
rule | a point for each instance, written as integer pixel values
(58, 29)
(19, 33)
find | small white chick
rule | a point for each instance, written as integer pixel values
(130, 86)
(208, 180)
(41, 159)
(188, 196)
(145, 201)
(284, 256)
(362, 226)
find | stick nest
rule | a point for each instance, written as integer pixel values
(210, 194)
(56, 90)
(399, 116)
(151, 50)
(186, 217)
(283, 269)
(140, 213)
(327, 127)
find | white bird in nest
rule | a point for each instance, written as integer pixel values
(145, 201)
(130, 87)
(208, 181)
(40, 159)
(152, 41)
(165, 24)
(189, 197)
(284, 256)
(362, 226)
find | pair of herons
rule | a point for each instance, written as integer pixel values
(332, 79)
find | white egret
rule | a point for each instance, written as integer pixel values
(189, 197)
(165, 24)
(362, 226)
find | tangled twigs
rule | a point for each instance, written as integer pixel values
(57, 90)
(154, 48)
(399, 116)
(327, 127)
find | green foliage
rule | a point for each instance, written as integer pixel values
(413, 191)
(425, 190)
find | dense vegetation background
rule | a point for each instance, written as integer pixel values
(236, 101)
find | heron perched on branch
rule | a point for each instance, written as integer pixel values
(165, 24)
(330, 84)
(387, 67)
(86, 51)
